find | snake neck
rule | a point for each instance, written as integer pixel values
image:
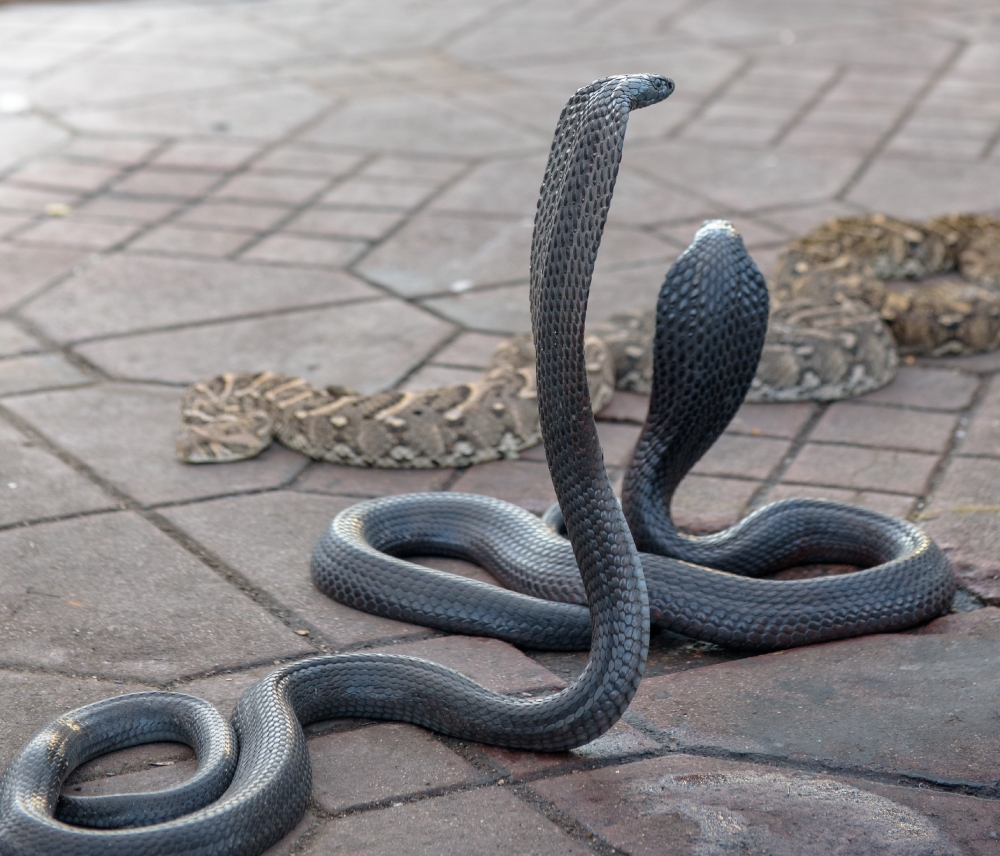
(713, 293)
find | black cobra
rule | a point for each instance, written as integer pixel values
(712, 315)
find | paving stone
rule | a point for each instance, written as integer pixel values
(79, 232)
(989, 362)
(983, 434)
(116, 150)
(263, 187)
(212, 243)
(799, 220)
(377, 193)
(368, 482)
(274, 556)
(344, 223)
(413, 170)
(24, 136)
(678, 805)
(626, 407)
(420, 124)
(13, 340)
(233, 215)
(889, 703)
(893, 504)
(111, 594)
(61, 174)
(9, 222)
(496, 310)
(705, 504)
(304, 159)
(861, 469)
(964, 518)
(201, 155)
(30, 700)
(113, 207)
(473, 823)
(433, 377)
(295, 249)
(738, 455)
(469, 350)
(31, 199)
(526, 483)
(755, 233)
(344, 345)
(104, 300)
(25, 270)
(507, 187)
(771, 420)
(434, 254)
(177, 183)
(381, 762)
(618, 441)
(892, 427)
(39, 371)
(933, 389)
(138, 455)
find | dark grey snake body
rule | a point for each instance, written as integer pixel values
(712, 314)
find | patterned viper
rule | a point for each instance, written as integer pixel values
(710, 329)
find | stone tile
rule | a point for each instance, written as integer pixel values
(116, 150)
(420, 124)
(233, 215)
(772, 420)
(755, 233)
(9, 222)
(989, 362)
(25, 136)
(31, 199)
(524, 483)
(884, 427)
(212, 243)
(983, 434)
(495, 310)
(112, 207)
(921, 187)
(738, 455)
(412, 170)
(626, 407)
(264, 187)
(861, 469)
(155, 771)
(62, 174)
(176, 183)
(893, 504)
(964, 518)
(30, 700)
(274, 557)
(39, 371)
(138, 455)
(344, 223)
(933, 389)
(104, 300)
(308, 160)
(80, 232)
(469, 350)
(618, 441)
(705, 504)
(36, 484)
(433, 254)
(320, 477)
(295, 249)
(201, 155)
(381, 762)
(13, 340)
(377, 193)
(883, 702)
(680, 804)
(474, 823)
(111, 594)
(506, 187)
(433, 377)
(344, 345)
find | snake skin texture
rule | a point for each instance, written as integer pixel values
(272, 779)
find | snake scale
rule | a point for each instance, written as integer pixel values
(254, 780)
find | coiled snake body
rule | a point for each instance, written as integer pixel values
(711, 320)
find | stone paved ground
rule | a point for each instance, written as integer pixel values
(343, 189)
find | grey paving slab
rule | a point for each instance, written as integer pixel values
(39, 371)
(77, 231)
(344, 223)
(346, 345)
(306, 250)
(31, 199)
(433, 377)
(63, 174)
(170, 240)
(233, 215)
(114, 150)
(264, 187)
(367, 482)
(111, 206)
(113, 595)
(859, 468)
(770, 420)
(983, 434)
(219, 154)
(177, 183)
(106, 300)
(888, 427)
(469, 350)
(125, 433)
(13, 340)
(274, 556)
(739, 455)
(26, 135)
(26, 270)
(930, 388)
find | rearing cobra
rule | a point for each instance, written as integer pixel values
(253, 779)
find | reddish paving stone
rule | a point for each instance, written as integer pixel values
(526, 483)
(678, 805)
(192, 242)
(933, 389)
(307, 160)
(617, 442)
(233, 215)
(368, 193)
(274, 555)
(64, 174)
(111, 594)
(861, 469)
(771, 420)
(705, 504)
(78, 232)
(989, 362)
(36, 484)
(380, 762)
(117, 151)
(915, 704)
(25, 270)
(626, 407)
(737, 455)
(138, 457)
(983, 434)
(370, 225)
(263, 187)
(113, 207)
(476, 823)
(884, 427)
(366, 482)
(205, 155)
(894, 504)
(964, 518)
(296, 249)
(176, 183)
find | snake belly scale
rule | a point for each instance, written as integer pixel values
(253, 779)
